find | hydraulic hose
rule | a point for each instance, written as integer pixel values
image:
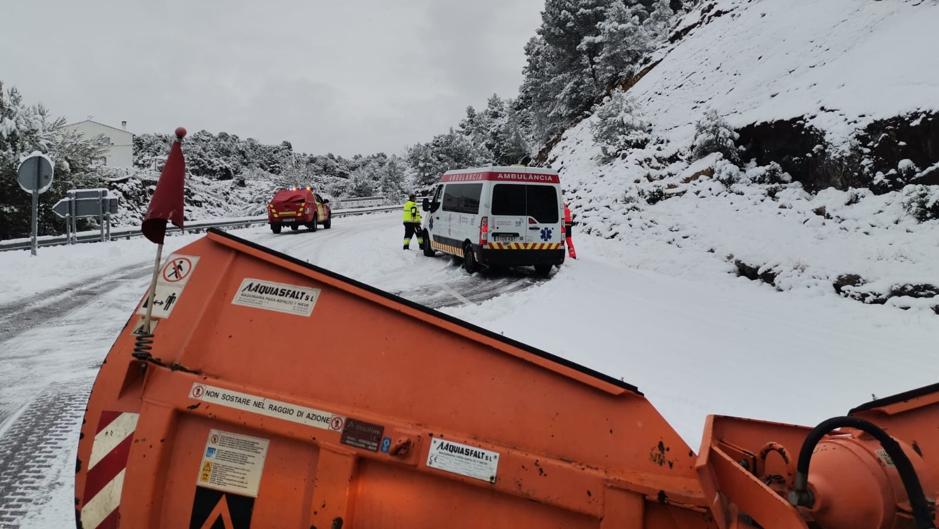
(800, 496)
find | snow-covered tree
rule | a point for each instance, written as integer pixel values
(714, 134)
(561, 78)
(623, 41)
(24, 129)
(362, 182)
(619, 126)
(660, 19)
(446, 151)
(391, 181)
(513, 147)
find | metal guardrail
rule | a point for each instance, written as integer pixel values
(191, 227)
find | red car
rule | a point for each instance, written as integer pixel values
(298, 207)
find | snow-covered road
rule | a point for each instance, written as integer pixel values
(725, 345)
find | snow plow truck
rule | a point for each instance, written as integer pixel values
(226, 417)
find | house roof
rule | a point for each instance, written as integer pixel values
(98, 123)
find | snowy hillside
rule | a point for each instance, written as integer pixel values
(847, 215)
(840, 63)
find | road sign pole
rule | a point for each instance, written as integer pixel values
(74, 207)
(101, 213)
(69, 216)
(35, 241)
(35, 230)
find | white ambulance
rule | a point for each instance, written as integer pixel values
(497, 217)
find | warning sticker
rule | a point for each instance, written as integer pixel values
(171, 281)
(295, 413)
(178, 269)
(232, 463)
(279, 297)
(165, 298)
(212, 509)
(462, 459)
(362, 434)
(138, 327)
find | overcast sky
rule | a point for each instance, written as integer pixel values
(343, 76)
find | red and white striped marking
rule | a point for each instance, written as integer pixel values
(105, 478)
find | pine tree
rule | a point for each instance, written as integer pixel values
(513, 145)
(444, 152)
(619, 126)
(561, 76)
(623, 40)
(660, 20)
(391, 178)
(714, 134)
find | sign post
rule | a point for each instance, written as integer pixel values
(80, 203)
(34, 176)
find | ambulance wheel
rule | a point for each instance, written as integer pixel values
(311, 225)
(543, 269)
(469, 259)
(428, 249)
(328, 223)
(275, 228)
(294, 227)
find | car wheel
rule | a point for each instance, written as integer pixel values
(543, 269)
(428, 249)
(469, 259)
(275, 228)
(312, 225)
(328, 223)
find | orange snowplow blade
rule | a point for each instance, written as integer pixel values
(283, 395)
(276, 394)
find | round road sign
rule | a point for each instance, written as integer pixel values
(35, 173)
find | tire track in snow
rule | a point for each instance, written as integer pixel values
(34, 450)
(19, 317)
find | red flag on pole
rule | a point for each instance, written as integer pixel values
(167, 201)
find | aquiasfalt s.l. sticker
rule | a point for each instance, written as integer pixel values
(278, 297)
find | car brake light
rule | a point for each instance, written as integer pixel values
(484, 231)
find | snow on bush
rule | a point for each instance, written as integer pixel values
(768, 174)
(713, 134)
(619, 126)
(922, 202)
(726, 172)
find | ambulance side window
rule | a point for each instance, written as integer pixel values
(462, 198)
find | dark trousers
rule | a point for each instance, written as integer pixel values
(410, 228)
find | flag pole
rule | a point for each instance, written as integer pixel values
(151, 293)
(166, 204)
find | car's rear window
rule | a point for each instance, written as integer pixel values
(540, 202)
(289, 195)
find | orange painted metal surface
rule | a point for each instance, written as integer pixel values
(399, 416)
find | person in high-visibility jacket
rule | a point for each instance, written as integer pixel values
(412, 223)
(569, 232)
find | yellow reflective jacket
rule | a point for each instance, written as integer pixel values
(412, 213)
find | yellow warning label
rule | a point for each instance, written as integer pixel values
(233, 463)
(206, 471)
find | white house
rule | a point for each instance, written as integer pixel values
(120, 150)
